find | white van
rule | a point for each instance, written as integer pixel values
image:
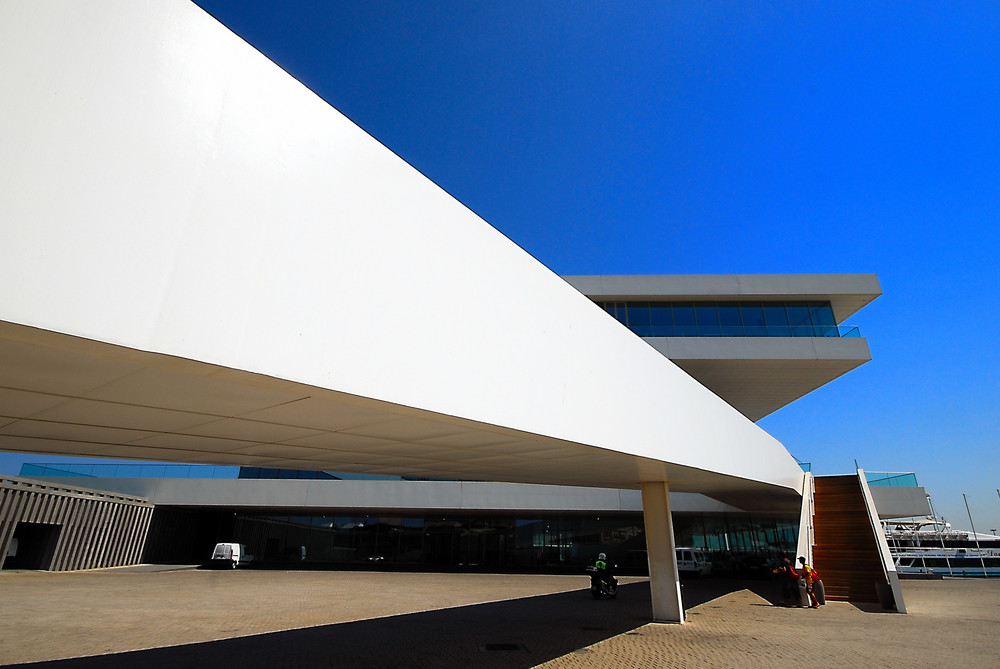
(694, 562)
(231, 555)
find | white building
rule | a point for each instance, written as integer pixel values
(204, 262)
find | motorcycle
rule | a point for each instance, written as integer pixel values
(602, 584)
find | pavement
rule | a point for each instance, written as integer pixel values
(170, 616)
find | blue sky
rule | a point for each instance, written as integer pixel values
(703, 137)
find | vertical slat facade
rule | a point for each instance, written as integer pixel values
(72, 528)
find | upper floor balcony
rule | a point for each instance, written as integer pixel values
(781, 318)
(757, 341)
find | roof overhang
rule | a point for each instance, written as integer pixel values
(64, 395)
(847, 293)
(205, 262)
(759, 375)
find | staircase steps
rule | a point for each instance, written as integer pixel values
(845, 554)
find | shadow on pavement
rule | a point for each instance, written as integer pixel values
(517, 633)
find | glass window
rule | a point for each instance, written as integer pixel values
(707, 317)
(776, 319)
(616, 309)
(753, 319)
(799, 319)
(822, 319)
(661, 319)
(730, 323)
(685, 324)
(638, 319)
(726, 319)
(411, 540)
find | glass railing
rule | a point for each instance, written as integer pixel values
(901, 479)
(130, 471)
(745, 331)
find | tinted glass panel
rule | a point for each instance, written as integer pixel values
(799, 318)
(753, 319)
(708, 320)
(661, 319)
(489, 541)
(777, 320)
(822, 318)
(638, 319)
(618, 310)
(728, 319)
(731, 325)
(684, 321)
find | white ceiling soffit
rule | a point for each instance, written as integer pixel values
(759, 375)
(204, 262)
(64, 395)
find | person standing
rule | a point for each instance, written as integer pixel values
(808, 574)
(789, 582)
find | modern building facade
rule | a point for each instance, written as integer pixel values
(183, 223)
(320, 520)
(60, 527)
(757, 341)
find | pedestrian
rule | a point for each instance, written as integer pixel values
(789, 582)
(809, 576)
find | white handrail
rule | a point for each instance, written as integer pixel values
(888, 565)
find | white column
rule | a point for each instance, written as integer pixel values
(664, 582)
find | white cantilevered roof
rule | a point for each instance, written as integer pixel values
(204, 262)
(70, 396)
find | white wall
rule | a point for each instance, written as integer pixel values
(165, 187)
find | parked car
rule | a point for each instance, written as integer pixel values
(693, 562)
(231, 556)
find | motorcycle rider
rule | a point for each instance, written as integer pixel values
(605, 571)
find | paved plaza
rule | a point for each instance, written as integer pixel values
(172, 617)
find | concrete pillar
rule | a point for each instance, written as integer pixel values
(664, 582)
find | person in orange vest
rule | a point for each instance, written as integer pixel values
(809, 575)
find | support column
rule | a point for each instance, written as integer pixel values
(664, 582)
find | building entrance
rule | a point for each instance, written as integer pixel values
(32, 546)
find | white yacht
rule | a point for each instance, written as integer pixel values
(932, 546)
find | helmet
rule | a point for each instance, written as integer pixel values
(602, 556)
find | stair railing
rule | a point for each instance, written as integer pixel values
(806, 527)
(885, 555)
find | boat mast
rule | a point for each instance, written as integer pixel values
(976, 535)
(940, 533)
